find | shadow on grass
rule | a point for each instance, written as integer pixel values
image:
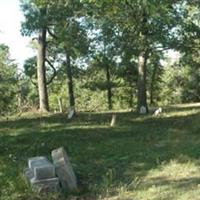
(102, 155)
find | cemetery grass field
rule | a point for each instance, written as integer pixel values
(142, 157)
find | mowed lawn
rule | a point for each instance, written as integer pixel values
(141, 158)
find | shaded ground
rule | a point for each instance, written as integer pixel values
(142, 157)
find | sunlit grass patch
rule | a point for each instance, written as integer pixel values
(176, 179)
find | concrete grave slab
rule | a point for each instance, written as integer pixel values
(42, 168)
(64, 169)
(45, 185)
(41, 175)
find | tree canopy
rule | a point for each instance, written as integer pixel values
(114, 51)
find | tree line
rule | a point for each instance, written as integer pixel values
(107, 54)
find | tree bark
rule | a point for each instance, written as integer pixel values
(109, 87)
(41, 72)
(142, 97)
(152, 85)
(70, 82)
(60, 104)
(131, 95)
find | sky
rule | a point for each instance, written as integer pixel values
(10, 24)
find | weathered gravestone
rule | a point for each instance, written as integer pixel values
(64, 169)
(41, 175)
(113, 120)
(71, 112)
(143, 110)
(157, 111)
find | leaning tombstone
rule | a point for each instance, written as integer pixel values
(41, 175)
(113, 120)
(157, 111)
(64, 170)
(71, 112)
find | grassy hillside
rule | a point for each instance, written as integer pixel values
(142, 157)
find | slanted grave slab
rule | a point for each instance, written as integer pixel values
(71, 112)
(64, 169)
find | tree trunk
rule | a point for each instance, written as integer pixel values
(142, 97)
(152, 85)
(60, 104)
(109, 88)
(131, 95)
(41, 72)
(70, 82)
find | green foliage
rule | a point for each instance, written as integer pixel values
(8, 81)
(102, 35)
(72, 37)
(155, 77)
(171, 85)
(35, 18)
(30, 67)
(191, 89)
(140, 156)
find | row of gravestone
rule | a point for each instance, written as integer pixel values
(44, 176)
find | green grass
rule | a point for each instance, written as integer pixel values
(141, 158)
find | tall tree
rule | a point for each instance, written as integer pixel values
(152, 25)
(104, 50)
(41, 70)
(37, 21)
(155, 71)
(70, 37)
(189, 48)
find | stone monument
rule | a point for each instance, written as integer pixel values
(41, 175)
(64, 170)
(143, 110)
(71, 112)
(157, 111)
(113, 120)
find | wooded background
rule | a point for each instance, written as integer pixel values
(104, 55)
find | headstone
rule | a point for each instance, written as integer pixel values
(71, 112)
(113, 120)
(39, 160)
(42, 168)
(41, 175)
(64, 169)
(143, 110)
(28, 174)
(45, 185)
(157, 111)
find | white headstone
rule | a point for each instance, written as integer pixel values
(157, 111)
(113, 120)
(71, 112)
(64, 169)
